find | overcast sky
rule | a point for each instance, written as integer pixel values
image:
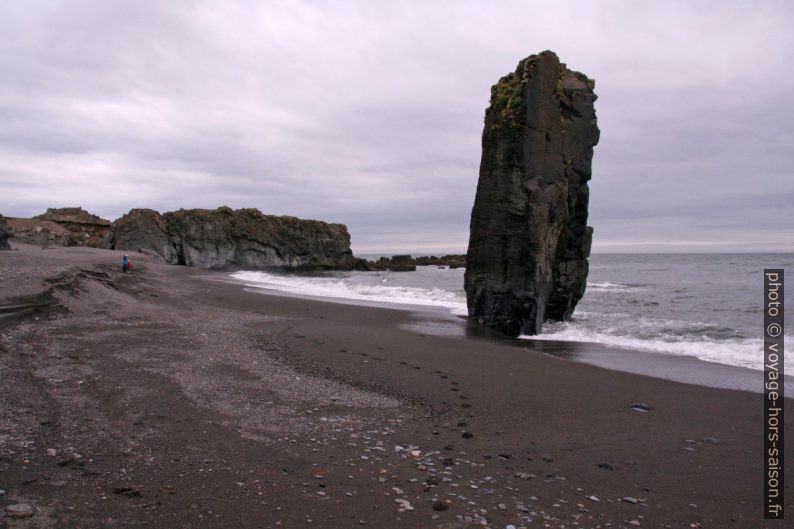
(370, 113)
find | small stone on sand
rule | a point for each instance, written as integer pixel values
(19, 510)
(403, 505)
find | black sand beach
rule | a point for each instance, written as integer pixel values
(162, 398)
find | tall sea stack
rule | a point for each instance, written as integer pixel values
(529, 240)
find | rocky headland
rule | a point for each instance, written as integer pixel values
(61, 227)
(529, 239)
(221, 237)
(206, 238)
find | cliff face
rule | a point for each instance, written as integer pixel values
(61, 227)
(243, 237)
(529, 240)
(144, 231)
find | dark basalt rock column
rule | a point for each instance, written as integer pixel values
(529, 240)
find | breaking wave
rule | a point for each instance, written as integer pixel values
(349, 288)
(607, 286)
(708, 343)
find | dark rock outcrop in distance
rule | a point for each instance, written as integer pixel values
(529, 240)
(407, 263)
(61, 227)
(402, 263)
(86, 229)
(395, 263)
(452, 261)
(5, 233)
(245, 237)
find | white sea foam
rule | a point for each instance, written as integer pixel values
(608, 286)
(747, 352)
(606, 318)
(344, 288)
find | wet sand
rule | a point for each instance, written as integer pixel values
(166, 398)
(687, 369)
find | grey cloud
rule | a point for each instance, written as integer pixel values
(370, 113)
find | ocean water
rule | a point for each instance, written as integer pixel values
(708, 306)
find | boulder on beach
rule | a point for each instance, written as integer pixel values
(529, 240)
(223, 236)
(5, 233)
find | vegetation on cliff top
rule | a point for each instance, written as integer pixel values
(507, 99)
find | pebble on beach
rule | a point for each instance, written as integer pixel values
(403, 505)
(19, 510)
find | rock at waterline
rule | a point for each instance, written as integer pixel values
(529, 240)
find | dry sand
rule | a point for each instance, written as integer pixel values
(167, 398)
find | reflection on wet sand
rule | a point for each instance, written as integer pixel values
(685, 369)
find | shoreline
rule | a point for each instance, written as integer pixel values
(677, 368)
(156, 398)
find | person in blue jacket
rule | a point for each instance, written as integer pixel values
(125, 263)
